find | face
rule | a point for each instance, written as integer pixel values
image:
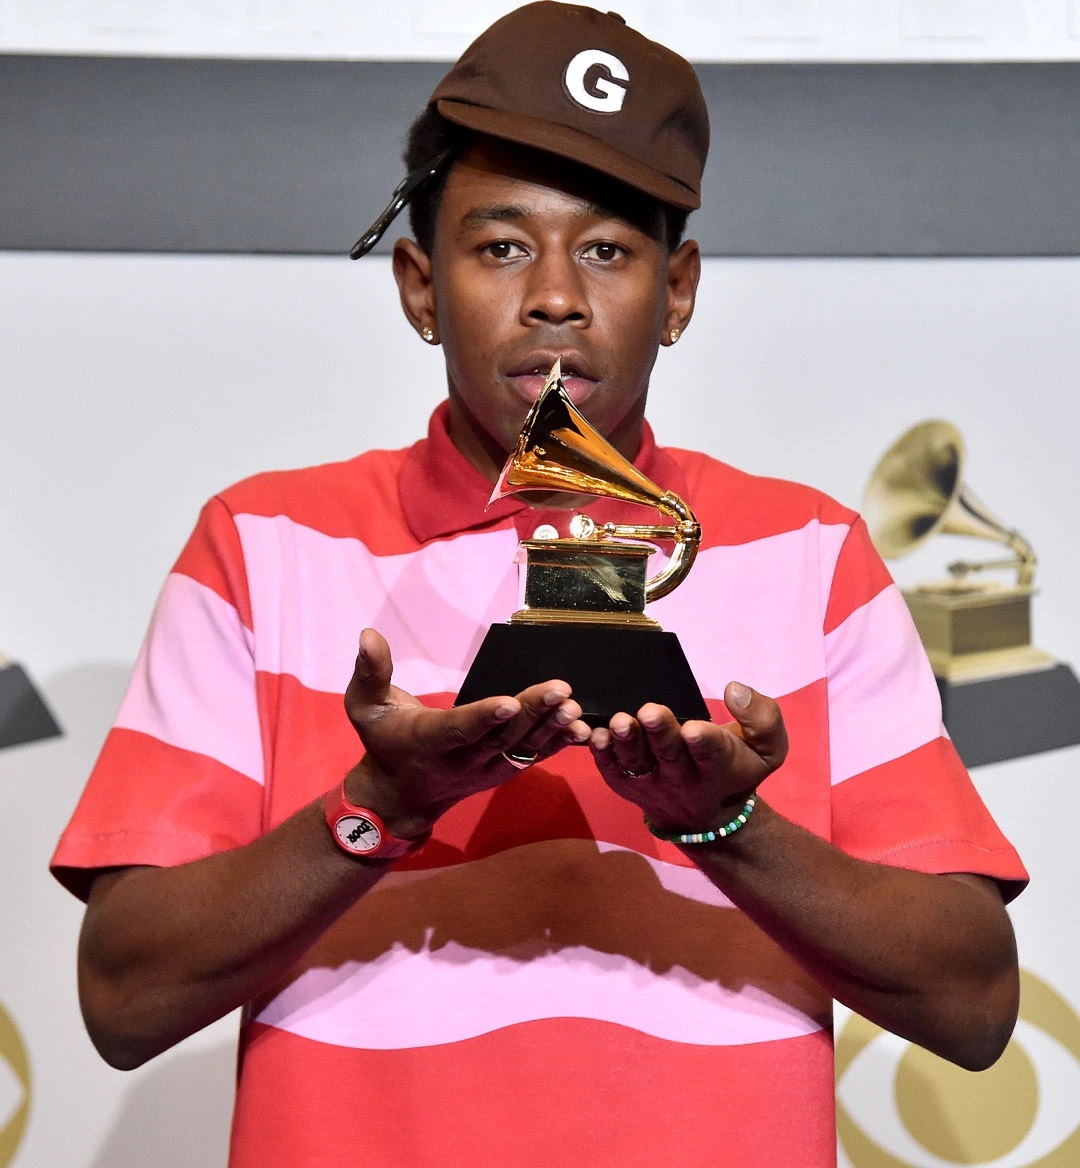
(523, 272)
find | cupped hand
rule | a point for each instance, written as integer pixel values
(420, 761)
(693, 777)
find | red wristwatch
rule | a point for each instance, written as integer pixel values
(358, 831)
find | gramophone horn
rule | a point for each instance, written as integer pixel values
(918, 489)
(559, 450)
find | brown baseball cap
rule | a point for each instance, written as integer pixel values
(579, 84)
(583, 85)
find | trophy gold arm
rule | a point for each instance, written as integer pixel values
(558, 449)
(686, 534)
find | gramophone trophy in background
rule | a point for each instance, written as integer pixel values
(583, 620)
(1001, 696)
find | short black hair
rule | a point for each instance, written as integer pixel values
(429, 136)
(432, 134)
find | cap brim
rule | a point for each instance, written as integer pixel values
(573, 145)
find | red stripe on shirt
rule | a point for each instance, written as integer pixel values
(196, 806)
(611, 1097)
(213, 557)
(891, 815)
(860, 575)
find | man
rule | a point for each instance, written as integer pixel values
(475, 950)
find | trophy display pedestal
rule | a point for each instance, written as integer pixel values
(991, 719)
(24, 717)
(610, 669)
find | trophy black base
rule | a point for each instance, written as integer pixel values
(610, 669)
(24, 717)
(998, 718)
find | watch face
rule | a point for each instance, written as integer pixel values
(357, 833)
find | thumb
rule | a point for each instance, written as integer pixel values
(761, 725)
(370, 683)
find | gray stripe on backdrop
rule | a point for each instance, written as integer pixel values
(207, 155)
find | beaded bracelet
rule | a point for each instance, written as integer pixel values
(707, 837)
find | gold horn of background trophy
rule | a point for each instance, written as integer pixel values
(1001, 697)
(583, 619)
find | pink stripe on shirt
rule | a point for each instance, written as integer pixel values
(446, 984)
(883, 704)
(767, 599)
(193, 685)
(435, 605)
(311, 594)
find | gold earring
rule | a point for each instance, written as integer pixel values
(675, 334)
(428, 333)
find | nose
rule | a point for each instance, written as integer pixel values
(555, 292)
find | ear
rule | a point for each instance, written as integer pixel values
(416, 289)
(684, 271)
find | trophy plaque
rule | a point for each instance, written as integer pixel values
(1001, 697)
(583, 619)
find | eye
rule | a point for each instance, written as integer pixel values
(901, 1107)
(604, 252)
(503, 249)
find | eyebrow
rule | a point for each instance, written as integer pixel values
(507, 212)
(497, 213)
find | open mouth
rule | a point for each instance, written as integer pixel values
(529, 379)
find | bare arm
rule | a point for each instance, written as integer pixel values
(166, 951)
(931, 958)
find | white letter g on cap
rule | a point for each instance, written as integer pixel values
(609, 93)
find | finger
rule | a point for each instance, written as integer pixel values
(714, 749)
(467, 725)
(570, 731)
(503, 723)
(622, 755)
(536, 705)
(562, 727)
(761, 724)
(602, 747)
(629, 747)
(500, 723)
(664, 735)
(577, 733)
(370, 681)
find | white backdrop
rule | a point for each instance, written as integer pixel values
(132, 387)
(702, 30)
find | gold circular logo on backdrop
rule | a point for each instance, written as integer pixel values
(16, 1061)
(919, 1111)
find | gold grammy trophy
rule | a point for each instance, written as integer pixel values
(583, 619)
(1001, 696)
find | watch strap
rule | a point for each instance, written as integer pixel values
(360, 832)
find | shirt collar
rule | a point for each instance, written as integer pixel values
(443, 494)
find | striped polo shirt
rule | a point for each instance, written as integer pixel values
(543, 982)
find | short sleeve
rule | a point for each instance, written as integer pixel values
(901, 795)
(181, 773)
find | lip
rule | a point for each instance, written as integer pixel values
(530, 373)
